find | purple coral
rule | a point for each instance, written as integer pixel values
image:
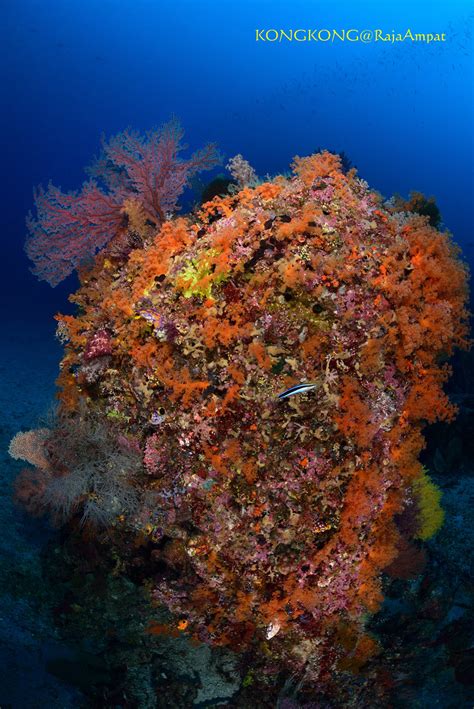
(99, 345)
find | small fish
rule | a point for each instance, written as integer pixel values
(273, 629)
(297, 389)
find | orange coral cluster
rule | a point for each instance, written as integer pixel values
(284, 511)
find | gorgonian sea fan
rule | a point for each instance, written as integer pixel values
(273, 519)
(69, 228)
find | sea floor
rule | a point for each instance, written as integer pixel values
(29, 359)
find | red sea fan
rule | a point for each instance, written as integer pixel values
(149, 168)
(70, 228)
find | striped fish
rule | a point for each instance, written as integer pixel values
(297, 389)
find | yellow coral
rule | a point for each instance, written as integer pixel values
(197, 277)
(428, 496)
(192, 276)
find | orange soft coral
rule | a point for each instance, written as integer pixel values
(285, 509)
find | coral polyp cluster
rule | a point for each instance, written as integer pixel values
(270, 519)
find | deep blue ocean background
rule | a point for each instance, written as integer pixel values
(74, 69)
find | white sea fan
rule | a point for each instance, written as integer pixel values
(242, 171)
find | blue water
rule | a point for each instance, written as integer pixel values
(74, 69)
